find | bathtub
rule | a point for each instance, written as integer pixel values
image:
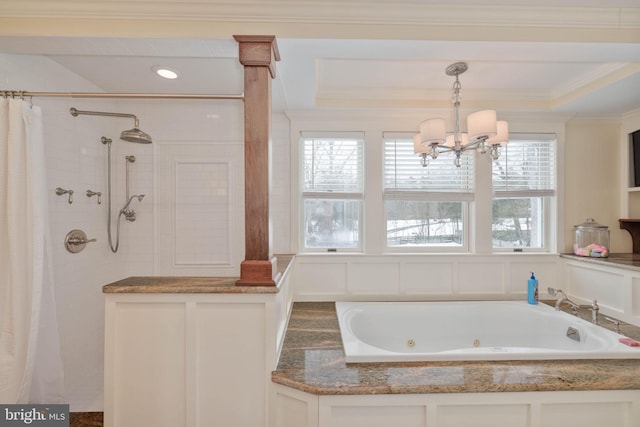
(477, 330)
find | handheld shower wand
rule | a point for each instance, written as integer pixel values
(130, 214)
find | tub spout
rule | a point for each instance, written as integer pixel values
(563, 298)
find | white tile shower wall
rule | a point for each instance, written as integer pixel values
(280, 200)
(170, 123)
(75, 159)
(191, 122)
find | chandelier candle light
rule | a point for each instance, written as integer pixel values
(483, 130)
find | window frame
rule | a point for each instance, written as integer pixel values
(548, 196)
(329, 195)
(466, 198)
(373, 125)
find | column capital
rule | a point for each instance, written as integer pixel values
(258, 51)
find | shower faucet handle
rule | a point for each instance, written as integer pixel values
(60, 191)
(76, 240)
(95, 193)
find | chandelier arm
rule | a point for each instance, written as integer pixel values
(474, 145)
(445, 149)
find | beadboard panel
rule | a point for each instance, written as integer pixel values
(349, 277)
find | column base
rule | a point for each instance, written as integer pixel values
(258, 273)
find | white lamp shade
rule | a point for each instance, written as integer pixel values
(502, 137)
(433, 131)
(418, 146)
(482, 124)
(451, 140)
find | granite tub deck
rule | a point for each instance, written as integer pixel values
(312, 360)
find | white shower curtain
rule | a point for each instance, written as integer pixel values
(30, 363)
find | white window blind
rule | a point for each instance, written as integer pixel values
(404, 176)
(333, 165)
(526, 167)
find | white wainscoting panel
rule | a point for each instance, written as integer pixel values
(230, 364)
(200, 209)
(380, 278)
(484, 277)
(545, 273)
(335, 277)
(484, 415)
(148, 354)
(320, 277)
(588, 283)
(611, 408)
(635, 296)
(617, 289)
(587, 414)
(419, 278)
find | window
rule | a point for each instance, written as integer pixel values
(523, 192)
(332, 190)
(425, 207)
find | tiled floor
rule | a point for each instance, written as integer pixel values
(85, 419)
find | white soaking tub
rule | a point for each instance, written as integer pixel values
(471, 330)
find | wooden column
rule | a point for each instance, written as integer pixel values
(258, 55)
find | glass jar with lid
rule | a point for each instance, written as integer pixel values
(591, 239)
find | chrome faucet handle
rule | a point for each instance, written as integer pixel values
(60, 191)
(595, 308)
(95, 193)
(615, 322)
(76, 240)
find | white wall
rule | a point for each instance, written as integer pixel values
(591, 171)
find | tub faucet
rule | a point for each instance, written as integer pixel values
(563, 298)
(594, 307)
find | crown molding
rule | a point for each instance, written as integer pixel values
(399, 12)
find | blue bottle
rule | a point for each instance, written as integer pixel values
(532, 290)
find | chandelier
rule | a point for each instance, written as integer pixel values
(484, 131)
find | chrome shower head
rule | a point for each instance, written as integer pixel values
(131, 135)
(136, 135)
(140, 197)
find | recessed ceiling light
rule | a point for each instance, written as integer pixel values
(165, 72)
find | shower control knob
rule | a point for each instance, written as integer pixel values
(76, 240)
